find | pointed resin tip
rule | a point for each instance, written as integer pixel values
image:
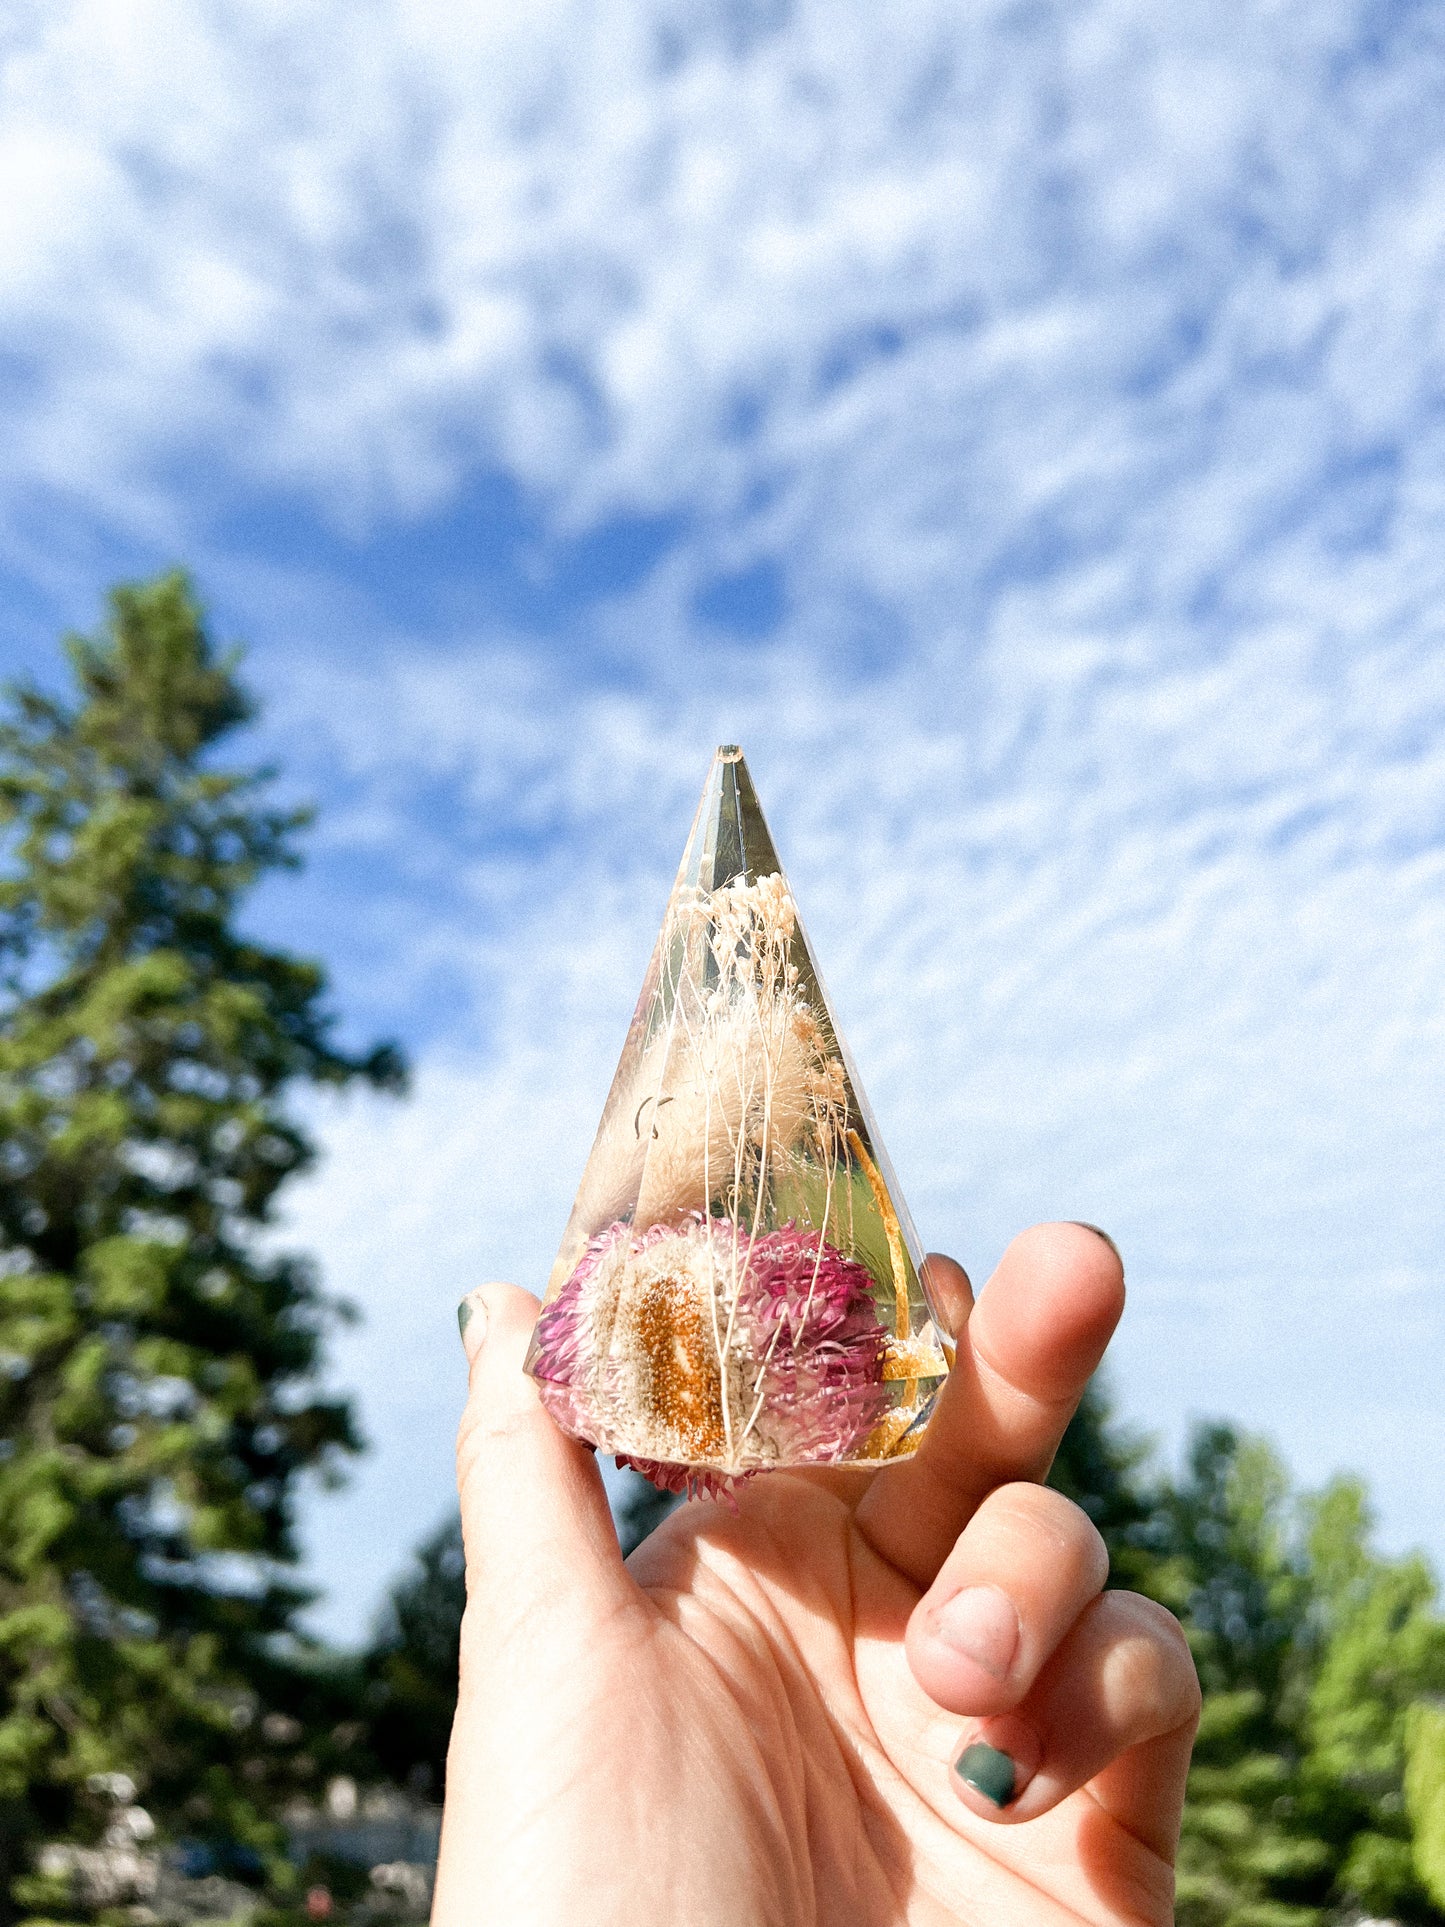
(739, 1283)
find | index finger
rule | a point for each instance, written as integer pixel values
(1024, 1357)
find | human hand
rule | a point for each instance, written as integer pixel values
(757, 1718)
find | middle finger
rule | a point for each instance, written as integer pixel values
(1024, 1357)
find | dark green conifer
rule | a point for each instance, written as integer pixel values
(412, 1664)
(1104, 1468)
(158, 1360)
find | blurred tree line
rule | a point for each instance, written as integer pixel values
(160, 1400)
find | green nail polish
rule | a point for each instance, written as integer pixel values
(987, 1771)
(464, 1316)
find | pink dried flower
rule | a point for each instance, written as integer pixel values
(700, 1355)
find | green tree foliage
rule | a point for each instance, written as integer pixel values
(1318, 1787)
(1315, 1654)
(412, 1664)
(1425, 1794)
(1381, 1658)
(158, 1394)
(1104, 1468)
(1243, 1860)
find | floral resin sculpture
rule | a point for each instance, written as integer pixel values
(738, 1286)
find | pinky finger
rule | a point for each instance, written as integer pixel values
(1114, 1710)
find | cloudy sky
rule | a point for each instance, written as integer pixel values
(1022, 426)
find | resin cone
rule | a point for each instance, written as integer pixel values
(738, 1286)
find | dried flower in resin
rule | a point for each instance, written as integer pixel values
(738, 1286)
(717, 1347)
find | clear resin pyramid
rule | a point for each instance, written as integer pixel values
(738, 1287)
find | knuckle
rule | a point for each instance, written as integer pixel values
(489, 1429)
(1151, 1659)
(1040, 1513)
(511, 1312)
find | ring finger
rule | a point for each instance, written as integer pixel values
(1023, 1569)
(1114, 1710)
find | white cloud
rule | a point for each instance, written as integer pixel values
(1063, 258)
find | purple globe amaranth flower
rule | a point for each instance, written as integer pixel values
(699, 1354)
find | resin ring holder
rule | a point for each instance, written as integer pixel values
(739, 1286)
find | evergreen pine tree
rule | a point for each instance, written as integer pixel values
(1103, 1468)
(158, 1397)
(412, 1664)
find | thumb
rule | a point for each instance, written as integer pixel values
(543, 1572)
(536, 1526)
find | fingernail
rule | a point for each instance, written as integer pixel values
(1099, 1232)
(982, 1624)
(472, 1318)
(989, 1771)
(999, 1759)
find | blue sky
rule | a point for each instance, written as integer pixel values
(1021, 426)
